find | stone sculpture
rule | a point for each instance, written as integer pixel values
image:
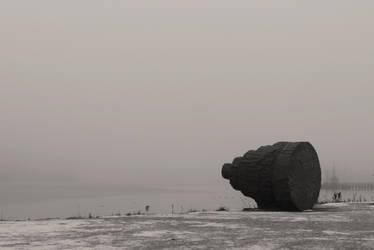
(285, 176)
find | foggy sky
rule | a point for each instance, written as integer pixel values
(163, 93)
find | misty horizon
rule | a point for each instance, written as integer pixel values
(117, 93)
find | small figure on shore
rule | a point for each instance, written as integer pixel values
(147, 208)
(337, 196)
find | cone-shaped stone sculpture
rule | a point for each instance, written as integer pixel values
(285, 176)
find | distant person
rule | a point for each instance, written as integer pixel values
(147, 208)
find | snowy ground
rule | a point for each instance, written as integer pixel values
(329, 226)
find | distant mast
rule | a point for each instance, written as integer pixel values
(334, 179)
(326, 181)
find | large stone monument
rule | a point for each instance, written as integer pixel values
(285, 176)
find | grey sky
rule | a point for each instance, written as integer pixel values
(164, 93)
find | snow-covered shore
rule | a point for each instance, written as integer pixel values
(336, 226)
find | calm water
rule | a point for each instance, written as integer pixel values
(42, 202)
(23, 202)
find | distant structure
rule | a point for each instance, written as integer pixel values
(286, 175)
(326, 178)
(333, 182)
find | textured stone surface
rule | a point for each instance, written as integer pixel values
(285, 175)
